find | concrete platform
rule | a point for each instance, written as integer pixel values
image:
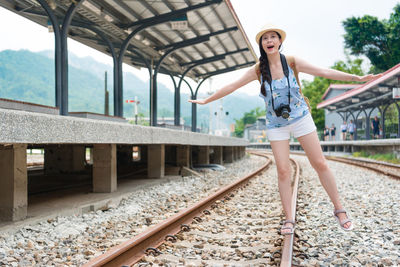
(78, 201)
(35, 128)
(65, 141)
(20, 105)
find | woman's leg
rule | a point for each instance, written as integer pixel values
(280, 149)
(312, 147)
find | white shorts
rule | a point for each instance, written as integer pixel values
(301, 127)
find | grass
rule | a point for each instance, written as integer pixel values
(389, 157)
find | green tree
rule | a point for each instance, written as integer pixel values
(248, 118)
(378, 40)
(315, 89)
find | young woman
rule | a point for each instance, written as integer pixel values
(299, 122)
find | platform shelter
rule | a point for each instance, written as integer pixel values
(183, 39)
(362, 102)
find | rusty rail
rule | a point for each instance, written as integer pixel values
(133, 250)
(362, 163)
(367, 165)
(288, 241)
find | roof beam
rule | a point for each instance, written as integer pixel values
(363, 102)
(170, 15)
(228, 69)
(202, 36)
(205, 59)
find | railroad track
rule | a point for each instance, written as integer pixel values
(388, 169)
(391, 170)
(227, 209)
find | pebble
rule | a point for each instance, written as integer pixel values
(236, 231)
(78, 238)
(373, 203)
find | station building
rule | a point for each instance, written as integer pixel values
(362, 102)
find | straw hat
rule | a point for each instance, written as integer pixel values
(270, 27)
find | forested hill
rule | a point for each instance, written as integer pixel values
(29, 76)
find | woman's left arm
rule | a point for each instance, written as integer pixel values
(303, 66)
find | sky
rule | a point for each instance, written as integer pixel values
(313, 27)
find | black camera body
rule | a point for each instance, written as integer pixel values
(283, 110)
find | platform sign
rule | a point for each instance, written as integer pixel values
(396, 92)
(180, 23)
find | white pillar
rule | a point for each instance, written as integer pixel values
(155, 161)
(104, 168)
(13, 182)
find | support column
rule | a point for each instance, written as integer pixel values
(155, 161)
(104, 168)
(183, 156)
(235, 153)
(64, 158)
(218, 155)
(242, 152)
(13, 182)
(228, 154)
(204, 155)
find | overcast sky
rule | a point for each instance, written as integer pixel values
(314, 31)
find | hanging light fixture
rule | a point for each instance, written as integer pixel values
(52, 4)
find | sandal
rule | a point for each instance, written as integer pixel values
(288, 227)
(342, 223)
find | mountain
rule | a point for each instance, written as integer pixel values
(29, 76)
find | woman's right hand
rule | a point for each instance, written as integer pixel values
(198, 101)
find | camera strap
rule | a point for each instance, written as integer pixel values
(285, 69)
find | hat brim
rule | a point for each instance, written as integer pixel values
(281, 33)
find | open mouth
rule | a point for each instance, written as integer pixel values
(270, 47)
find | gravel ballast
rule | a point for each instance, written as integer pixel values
(73, 240)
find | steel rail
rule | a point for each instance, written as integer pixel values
(288, 241)
(133, 250)
(362, 163)
(367, 165)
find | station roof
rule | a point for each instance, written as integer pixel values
(214, 40)
(368, 95)
(341, 87)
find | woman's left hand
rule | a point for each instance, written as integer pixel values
(369, 77)
(198, 101)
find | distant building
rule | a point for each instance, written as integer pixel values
(256, 132)
(333, 117)
(335, 91)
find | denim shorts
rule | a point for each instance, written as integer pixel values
(301, 127)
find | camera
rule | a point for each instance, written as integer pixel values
(283, 110)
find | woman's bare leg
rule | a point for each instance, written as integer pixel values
(280, 149)
(312, 147)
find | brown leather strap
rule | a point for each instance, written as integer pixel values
(292, 63)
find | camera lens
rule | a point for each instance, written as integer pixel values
(285, 113)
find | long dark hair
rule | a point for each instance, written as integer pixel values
(264, 66)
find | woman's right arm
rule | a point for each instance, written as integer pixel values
(249, 76)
